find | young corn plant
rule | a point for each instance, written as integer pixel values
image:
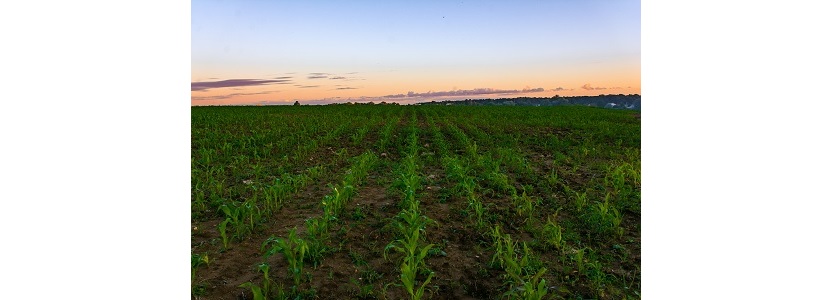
(293, 249)
(411, 226)
(232, 214)
(597, 278)
(553, 179)
(552, 235)
(500, 181)
(579, 259)
(580, 200)
(196, 261)
(316, 235)
(223, 232)
(479, 212)
(532, 288)
(255, 289)
(277, 193)
(604, 218)
(408, 273)
(523, 274)
(265, 290)
(525, 205)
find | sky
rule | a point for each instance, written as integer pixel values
(319, 52)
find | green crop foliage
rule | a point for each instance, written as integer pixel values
(408, 273)
(479, 212)
(199, 204)
(196, 261)
(524, 271)
(411, 225)
(255, 289)
(293, 249)
(552, 235)
(580, 200)
(604, 218)
(223, 232)
(501, 182)
(534, 288)
(553, 178)
(578, 257)
(501, 169)
(525, 205)
(261, 292)
(597, 278)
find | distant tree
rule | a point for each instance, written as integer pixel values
(296, 103)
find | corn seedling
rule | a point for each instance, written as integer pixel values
(317, 227)
(413, 254)
(255, 289)
(534, 288)
(223, 233)
(264, 291)
(525, 205)
(199, 204)
(500, 181)
(580, 200)
(597, 278)
(553, 178)
(579, 259)
(552, 235)
(604, 218)
(408, 273)
(293, 249)
(197, 260)
(524, 273)
(479, 212)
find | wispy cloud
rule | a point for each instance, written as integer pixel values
(337, 77)
(346, 88)
(317, 75)
(307, 86)
(220, 97)
(561, 89)
(473, 92)
(205, 85)
(588, 87)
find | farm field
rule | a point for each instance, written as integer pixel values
(415, 202)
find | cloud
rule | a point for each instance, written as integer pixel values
(317, 75)
(205, 85)
(346, 88)
(473, 92)
(220, 97)
(337, 77)
(588, 87)
(530, 90)
(308, 86)
(558, 89)
(274, 102)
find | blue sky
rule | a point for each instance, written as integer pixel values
(361, 51)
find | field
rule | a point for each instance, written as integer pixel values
(412, 202)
